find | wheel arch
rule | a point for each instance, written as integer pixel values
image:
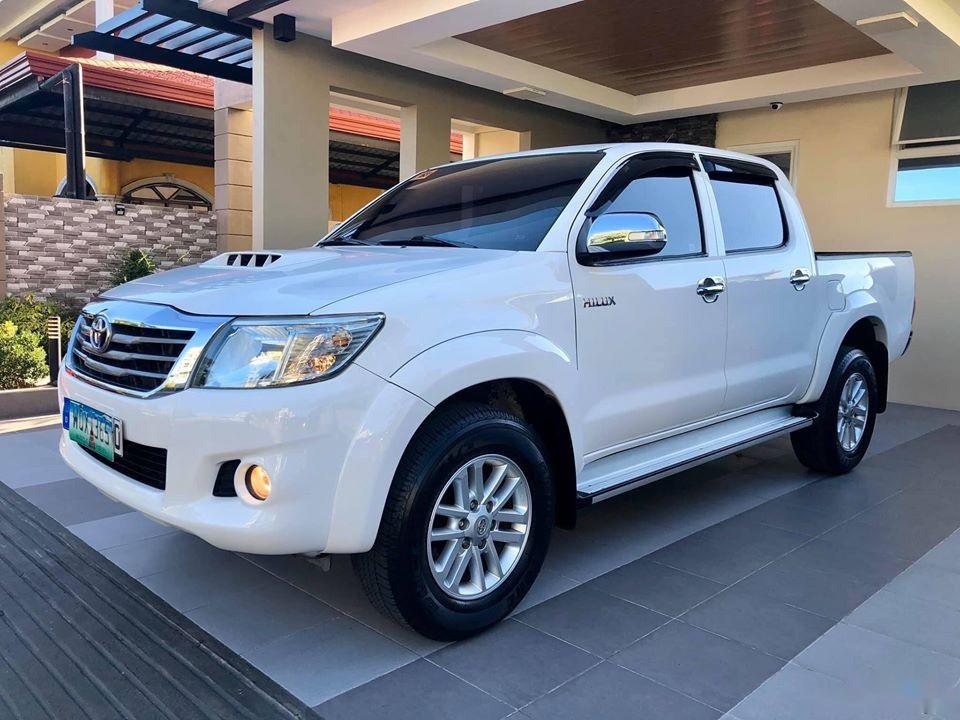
(515, 370)
(863, 328)
(539, 407)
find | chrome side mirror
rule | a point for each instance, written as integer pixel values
(628, 234)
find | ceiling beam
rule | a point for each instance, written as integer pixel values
(249, 8)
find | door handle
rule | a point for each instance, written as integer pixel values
(799, 278)
(710, 288)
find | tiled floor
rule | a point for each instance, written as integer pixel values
(748, 586)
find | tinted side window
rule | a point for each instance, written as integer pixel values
(670, 195)
(750, 214)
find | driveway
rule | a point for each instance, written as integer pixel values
(748, 587)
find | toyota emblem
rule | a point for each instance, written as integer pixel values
(100, 333)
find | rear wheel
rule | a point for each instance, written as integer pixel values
(466, 525)
(846, 415)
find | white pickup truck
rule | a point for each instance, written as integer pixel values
(474, 355)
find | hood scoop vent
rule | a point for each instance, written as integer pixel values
(251, 259)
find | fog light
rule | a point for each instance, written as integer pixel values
(258, 482)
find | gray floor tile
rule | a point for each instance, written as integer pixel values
(548, 585)
(323, 661)
(796, 693)
(932, 452)
(72, 501)
(255, 616)
(190, 586)
(862, 563)
(586, 553)
(164, 552)
(828, 594)
(593, 620)
(118, 530)
(32, 458)
(945, 555)
(905, 540)
(873, 662)
(418, 691)
(340, 588)
(848, 495)
(711, 669)
(729, 551)
(762, 623)
(609, 691)
(514, 662)
(921, 622)
(780, 513)
(658, 587)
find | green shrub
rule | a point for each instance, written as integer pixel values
(135, 263)
(30, 315)
(22, 361)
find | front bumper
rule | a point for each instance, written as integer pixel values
(331, 449)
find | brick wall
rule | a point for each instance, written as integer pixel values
(69, 247)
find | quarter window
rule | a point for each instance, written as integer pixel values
(750, 213)
(669, 194)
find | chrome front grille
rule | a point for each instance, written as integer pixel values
(136, 348)
(136, 358)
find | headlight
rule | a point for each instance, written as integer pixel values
(268, 352)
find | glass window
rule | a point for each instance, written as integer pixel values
(783, 160)
(750, 214)
(507, 204)
(928, 179)
(670, 195)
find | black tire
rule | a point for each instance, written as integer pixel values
(818, 446)
(395, 573)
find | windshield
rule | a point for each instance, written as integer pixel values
(507, 204)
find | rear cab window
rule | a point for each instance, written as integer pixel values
(749, 206)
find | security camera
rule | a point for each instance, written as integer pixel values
(776, 105)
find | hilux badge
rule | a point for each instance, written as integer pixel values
(593, 302)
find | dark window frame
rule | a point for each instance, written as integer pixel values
(746, 173)
(654, 160)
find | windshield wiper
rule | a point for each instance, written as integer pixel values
(427, 241)
(345, 241)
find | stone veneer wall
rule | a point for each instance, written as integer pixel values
(694, 130)
(56, 246)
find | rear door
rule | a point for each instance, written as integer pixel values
(650, 349)
(775, 300)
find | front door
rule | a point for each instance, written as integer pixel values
(650, 348)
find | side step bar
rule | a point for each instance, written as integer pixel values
(630, 469)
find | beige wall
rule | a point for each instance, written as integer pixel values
(843, 166)
(38, 172)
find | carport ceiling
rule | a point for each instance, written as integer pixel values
(642, 46)
(640, 60)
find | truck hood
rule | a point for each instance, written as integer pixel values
(292, 282)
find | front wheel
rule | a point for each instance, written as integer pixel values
(846, 415)
(466, 525)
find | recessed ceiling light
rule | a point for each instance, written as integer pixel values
(888, 23)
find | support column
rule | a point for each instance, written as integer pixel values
(291, 143)
(233, 165)
(3, 243)
(424, 138)
(104, 10)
